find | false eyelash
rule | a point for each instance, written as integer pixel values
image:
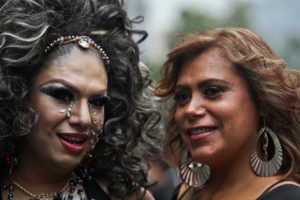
(59, 93)
(100, 101)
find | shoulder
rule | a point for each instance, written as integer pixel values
(285, 191)
(182, 191)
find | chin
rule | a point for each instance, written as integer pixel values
(67, 163)
(202, 155)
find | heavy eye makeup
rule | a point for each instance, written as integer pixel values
(99, 100)
(58, 92)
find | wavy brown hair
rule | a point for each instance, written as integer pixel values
(274, 88)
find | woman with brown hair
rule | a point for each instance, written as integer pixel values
(233, 129)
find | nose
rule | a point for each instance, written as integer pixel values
(195, 108)
(80, 114)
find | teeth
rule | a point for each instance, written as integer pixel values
(202, 130)
(72, 140)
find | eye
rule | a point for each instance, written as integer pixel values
(99, 101)
(182, 98)
(58, 93)
(213, 91)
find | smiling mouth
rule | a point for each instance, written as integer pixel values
(77, 141)
(201, 130)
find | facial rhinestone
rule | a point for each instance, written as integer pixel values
(93, 133)
(69, 112)
(62, 110)
(98, 128)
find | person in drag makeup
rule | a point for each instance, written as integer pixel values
(76, 118)
(233, 130)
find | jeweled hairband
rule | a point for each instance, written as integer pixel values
(83, 41)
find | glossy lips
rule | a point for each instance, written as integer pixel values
(200, 133)
(73, 141)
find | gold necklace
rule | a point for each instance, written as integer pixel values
(42, 195)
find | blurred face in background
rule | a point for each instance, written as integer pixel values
(215, 113)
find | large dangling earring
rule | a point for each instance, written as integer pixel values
(194, 173)
(266, 166)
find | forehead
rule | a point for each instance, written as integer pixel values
(211, 63)
(79, 67)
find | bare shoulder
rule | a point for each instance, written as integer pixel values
(183, 192)
(289, 182)
(148, 196)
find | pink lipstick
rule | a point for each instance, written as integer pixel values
(200, 133)
(72, 141)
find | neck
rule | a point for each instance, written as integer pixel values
(235, 179)
(38, 178)
(236, 173)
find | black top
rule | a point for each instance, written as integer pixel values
(283, 192)
(92, 190)
(288, 191)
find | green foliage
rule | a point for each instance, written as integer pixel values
(194, 21)
(154, 71)
(293, 52)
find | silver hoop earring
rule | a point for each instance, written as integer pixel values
(194, 173)
(267, 166)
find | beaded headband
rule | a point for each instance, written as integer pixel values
(83, 41)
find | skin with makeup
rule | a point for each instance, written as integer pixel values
(227, 130)
(77, 115)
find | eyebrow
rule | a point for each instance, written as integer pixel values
(203, 83)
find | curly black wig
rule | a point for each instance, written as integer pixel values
(131, 126)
